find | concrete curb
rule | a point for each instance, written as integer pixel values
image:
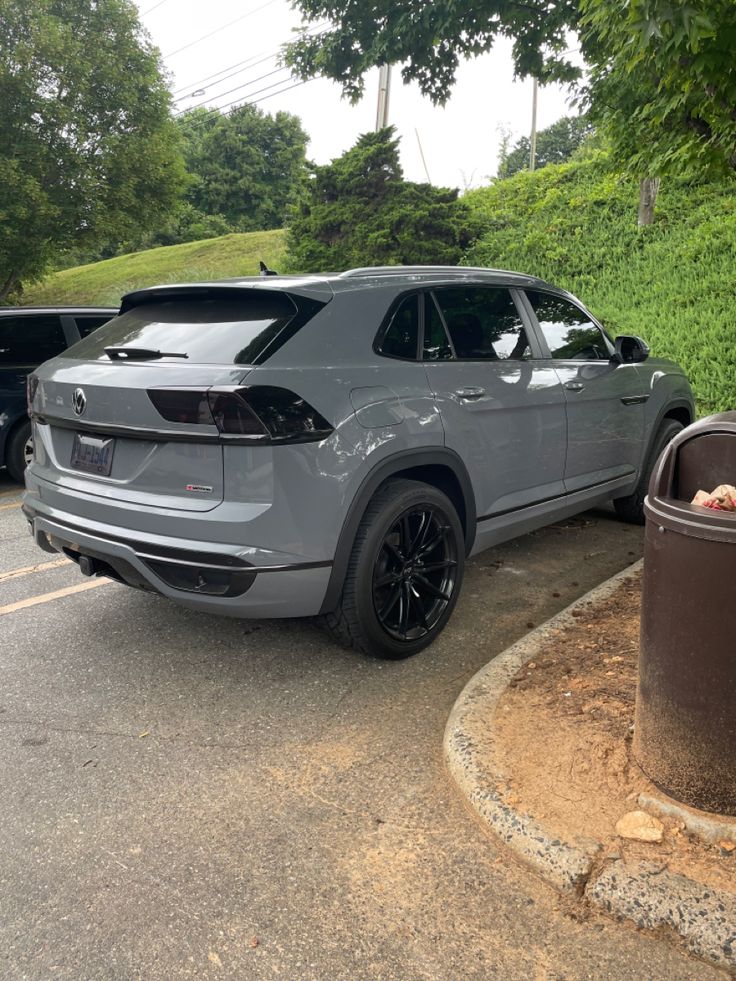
(711, 828)
(647, 895)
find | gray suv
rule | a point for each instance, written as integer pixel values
(338, 445)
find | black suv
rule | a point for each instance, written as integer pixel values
(28, 337)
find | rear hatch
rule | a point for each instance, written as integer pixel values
(137, 411)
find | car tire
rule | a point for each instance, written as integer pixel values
(404, 574)
(16, 452)
(631, 507)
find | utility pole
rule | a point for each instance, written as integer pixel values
(533, 140)
(384, 90)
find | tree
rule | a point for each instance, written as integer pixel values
(359, 211)
(429, 38)
(663, 75)
(663, 82)
(247, 166)
(663, 87)
(87, 145)
(186, 224)
(555, 144)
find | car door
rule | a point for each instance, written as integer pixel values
(604, 399)
(501, 405)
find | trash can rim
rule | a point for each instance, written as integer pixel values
(663, 473)
(691, 520)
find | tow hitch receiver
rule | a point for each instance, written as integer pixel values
(87, 565)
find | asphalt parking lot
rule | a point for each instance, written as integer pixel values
(184, 796)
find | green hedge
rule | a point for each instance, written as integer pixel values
(672, 283)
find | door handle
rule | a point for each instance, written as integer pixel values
(469, 394)
(574, 386)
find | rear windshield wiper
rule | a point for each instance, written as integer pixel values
(139, 354)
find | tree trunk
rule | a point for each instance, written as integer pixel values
(7, 288)
(648, 190)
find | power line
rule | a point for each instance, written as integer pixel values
(245, 85)
(255, 102)
(237, 88)
(247, 63)
(250, 100)
(424, 162)
(217, 30)
(154, 7)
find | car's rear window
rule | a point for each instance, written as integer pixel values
(221, 330)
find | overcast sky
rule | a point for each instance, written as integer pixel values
(460, 141)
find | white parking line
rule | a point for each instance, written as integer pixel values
(48, 597)
(28, 569)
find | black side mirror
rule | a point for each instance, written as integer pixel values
(630, 349)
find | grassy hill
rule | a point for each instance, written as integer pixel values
(103, 283)
(671, 283)
(574, 224)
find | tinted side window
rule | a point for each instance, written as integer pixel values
(570, 334)
(85, 325)
(30, 340)
(483, 323)
(402, 335)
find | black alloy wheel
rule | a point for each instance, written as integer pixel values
(414, 573)
(404, 574)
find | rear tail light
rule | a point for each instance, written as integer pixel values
(31, 389)
(233, 415)
(182, 405)
(284, 414)
(261, 412)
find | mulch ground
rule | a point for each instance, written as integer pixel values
(564, 732)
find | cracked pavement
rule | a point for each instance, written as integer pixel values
(185, 796)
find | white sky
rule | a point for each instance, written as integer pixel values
(460, 141)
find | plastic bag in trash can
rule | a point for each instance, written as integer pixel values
(723, 498)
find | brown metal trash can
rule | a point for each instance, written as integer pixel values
(685, 731)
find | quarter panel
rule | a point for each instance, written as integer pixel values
(313, 485)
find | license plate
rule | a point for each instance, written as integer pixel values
(92, 454)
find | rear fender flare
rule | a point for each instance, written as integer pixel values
(406, 460)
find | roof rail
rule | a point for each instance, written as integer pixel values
(403, 270)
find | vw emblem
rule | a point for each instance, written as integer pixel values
(79, 401)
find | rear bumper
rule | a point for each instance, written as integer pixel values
(226, 580)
